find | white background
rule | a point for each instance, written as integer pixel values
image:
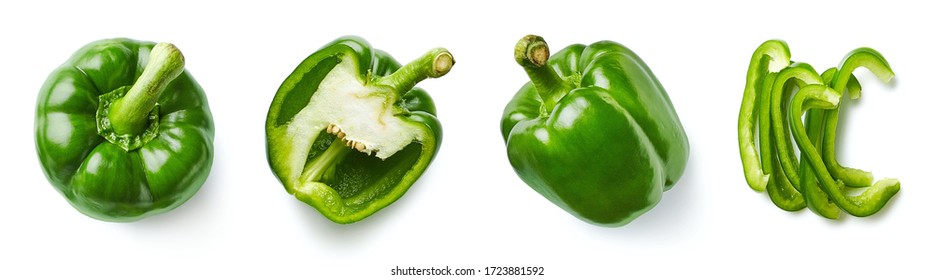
(470, 210)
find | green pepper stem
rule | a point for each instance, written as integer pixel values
(129, 114)
(433, 64)
(532, 53)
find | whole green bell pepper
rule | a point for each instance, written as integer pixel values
(348, 134)
(123, 131)
(594, 131)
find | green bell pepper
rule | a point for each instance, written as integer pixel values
(348, 134)
(123, 131)
(593, 131)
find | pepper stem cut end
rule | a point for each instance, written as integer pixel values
(130, 113)
(442, 64)
(532, 51)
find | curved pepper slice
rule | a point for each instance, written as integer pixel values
(800, 74)
(348, 134)
(122, 131)
(870, 200)
(817, 200)
(779, 188)
(861, 57)
(770, 57)
(594, 131)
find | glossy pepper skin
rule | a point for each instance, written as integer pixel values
(122, 131)
(348, 134)
(594, 131)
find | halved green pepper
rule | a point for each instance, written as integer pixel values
(122, 131)
(348, 134)
(594, 131)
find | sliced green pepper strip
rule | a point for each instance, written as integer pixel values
(868, 202)
(771, 56)
(778, 188)
(803, 74)
(853, 86)
(789, 90)
(816, 199)
(765, 134)
(873, 61)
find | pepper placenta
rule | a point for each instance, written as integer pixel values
(782, 92)
(593, 131)
(348, 133)
(123, 131)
